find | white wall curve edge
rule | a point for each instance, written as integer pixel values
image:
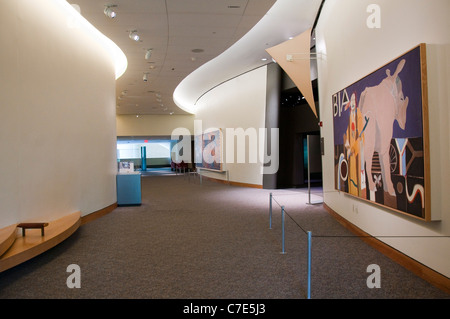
(76, 20)
(286, 18)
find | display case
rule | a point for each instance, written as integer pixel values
(129, 189)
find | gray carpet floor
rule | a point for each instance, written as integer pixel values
(212, 241)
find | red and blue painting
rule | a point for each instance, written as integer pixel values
(208, 150)
(381, 136)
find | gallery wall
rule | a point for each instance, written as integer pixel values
(152, 125)
(355, 38)
(57, 117)
(236, 104)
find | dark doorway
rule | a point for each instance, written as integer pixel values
(312, 162)
(297, 121)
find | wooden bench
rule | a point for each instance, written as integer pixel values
(24, 248)
(25, 226)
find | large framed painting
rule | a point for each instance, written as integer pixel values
(208, 150)
(381, 149)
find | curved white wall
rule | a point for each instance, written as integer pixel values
(352, 50)
(57, 115)
(239, 103)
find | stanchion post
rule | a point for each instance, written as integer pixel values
(270, 212)
(309, 264)
(309, 174)
(282, 229)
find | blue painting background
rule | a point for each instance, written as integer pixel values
(412, 88)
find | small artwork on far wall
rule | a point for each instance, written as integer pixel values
(208, 150)
(380, 128)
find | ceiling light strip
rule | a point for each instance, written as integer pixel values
(78, 21)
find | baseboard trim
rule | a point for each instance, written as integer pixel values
(433, 277)
(97, 214)
(222, 181)
(246, 185)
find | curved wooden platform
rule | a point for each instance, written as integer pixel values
(7, 237)
(26, 247)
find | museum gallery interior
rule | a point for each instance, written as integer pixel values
(223, 149)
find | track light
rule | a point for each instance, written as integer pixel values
(133, 35)
(145, 77)
(110, 13)
(148, 54)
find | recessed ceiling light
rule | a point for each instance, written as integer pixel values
(148, 54)
(110, 13)
(264, 59)
(133, 35)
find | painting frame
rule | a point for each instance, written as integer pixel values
(209, 150)
(381, 136)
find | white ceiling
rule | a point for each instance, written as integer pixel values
(232, 36)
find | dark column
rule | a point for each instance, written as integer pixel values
(273, 90)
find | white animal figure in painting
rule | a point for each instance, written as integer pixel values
(381, 105)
